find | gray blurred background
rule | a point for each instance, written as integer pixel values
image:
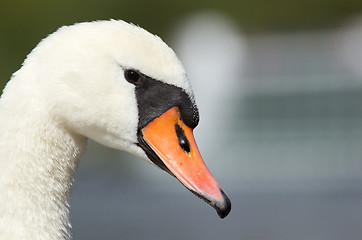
(279, 88)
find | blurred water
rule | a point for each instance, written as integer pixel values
(115, 207)
(281, 130)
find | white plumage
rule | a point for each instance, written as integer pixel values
(74, 86)
(71, 87)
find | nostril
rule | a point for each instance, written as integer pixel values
(184, 144)
(182, 139)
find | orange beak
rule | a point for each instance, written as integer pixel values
(171, 145)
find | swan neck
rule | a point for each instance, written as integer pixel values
(38, 159)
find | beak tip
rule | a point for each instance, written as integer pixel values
(223, 208)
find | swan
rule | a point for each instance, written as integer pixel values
(109, 81)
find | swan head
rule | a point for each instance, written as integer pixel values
(125, 88)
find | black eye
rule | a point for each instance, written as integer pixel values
(132, 76)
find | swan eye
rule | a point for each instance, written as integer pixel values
(132, 76)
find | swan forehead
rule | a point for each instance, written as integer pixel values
(133, 47)
(150, 55)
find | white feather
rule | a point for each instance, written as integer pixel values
(71, 87)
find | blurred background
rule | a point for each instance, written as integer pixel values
(279, 88)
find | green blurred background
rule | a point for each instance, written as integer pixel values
(24, 23)
(279, 87)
